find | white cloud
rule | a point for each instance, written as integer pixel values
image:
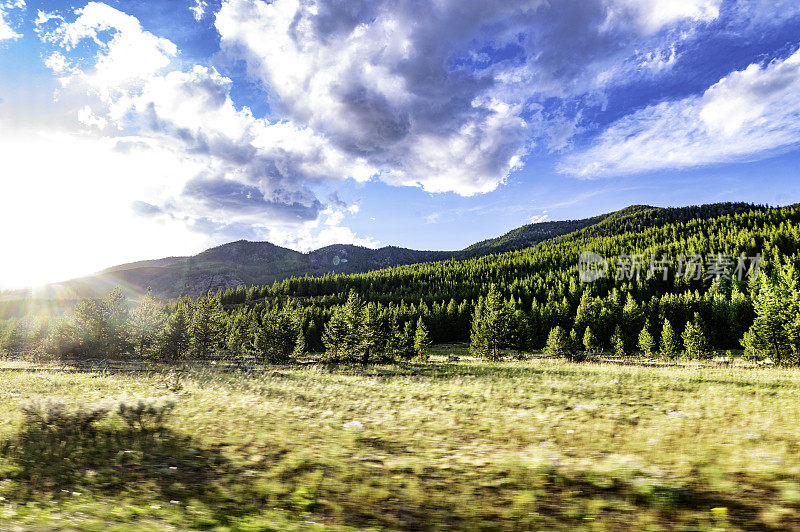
(8, 12)
(198, 9)
(314, 234)
(745, 116)
(191, 113)
(539, 218)
(352, 74)
(384, 81)
(87, 117)
(123, 63)
(653, 15)
(659, 60)
(158, 152)
(57, 63)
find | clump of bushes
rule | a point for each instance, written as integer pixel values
(145, 413)
(53, 416)
(58, 442)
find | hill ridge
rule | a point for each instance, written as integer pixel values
(245, 262)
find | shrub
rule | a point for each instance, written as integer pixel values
(145, 413)
(51, 415)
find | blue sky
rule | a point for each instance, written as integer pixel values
(136, 129)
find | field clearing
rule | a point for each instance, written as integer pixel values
(531, 444)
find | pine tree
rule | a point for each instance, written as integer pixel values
(177, 339)
(334, 334)
(101, 327)
(518, 336)
(115, 314)
(12, 339)
(373, 333)
(147, 322)
(408, 340)
(694, 339)
(557, 342)
(479, 340)
(646, 342)
(275, 339)
(238, 336)
(631, 321)
(669, 342)
(353, 317)
(394, 340)
(491, 325)
(422, 340)
(299, 345)
(207, 326)
(314, 337)
(618, 342)
(590, 343)
(775, 332)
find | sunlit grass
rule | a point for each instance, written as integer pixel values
(463, 444)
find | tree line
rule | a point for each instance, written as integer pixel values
(521, 301)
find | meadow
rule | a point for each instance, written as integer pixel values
(451, 443)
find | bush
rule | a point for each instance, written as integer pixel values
(51, 415)
(145, 413)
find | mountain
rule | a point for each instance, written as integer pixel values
(529, 235)
(259, 263)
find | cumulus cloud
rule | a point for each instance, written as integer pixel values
(326, 230)
(410, 87)
(249, 171)
(745, 116)
(9, 12)
(450, 96)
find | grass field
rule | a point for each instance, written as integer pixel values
(519, 445)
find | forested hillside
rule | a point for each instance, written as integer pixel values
(535, 295)
(245, 263)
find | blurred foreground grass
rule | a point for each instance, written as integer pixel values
(536, 444)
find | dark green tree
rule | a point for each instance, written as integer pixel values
(557, 342)
(590, 343)
(694, 339)
(207, 327)
(422, 340)
(147, 326)
(299, 345)
(618, 342)
(335, 334)
(276, 338)
(775, 332)
(491, 325)
(177, 339)
(646, 342)
(669, 342)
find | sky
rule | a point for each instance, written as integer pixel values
(134, 129)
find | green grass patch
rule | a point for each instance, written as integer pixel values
(447, 444)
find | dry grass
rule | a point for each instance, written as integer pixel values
(515, 445)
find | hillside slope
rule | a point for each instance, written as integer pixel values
(262, 263)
